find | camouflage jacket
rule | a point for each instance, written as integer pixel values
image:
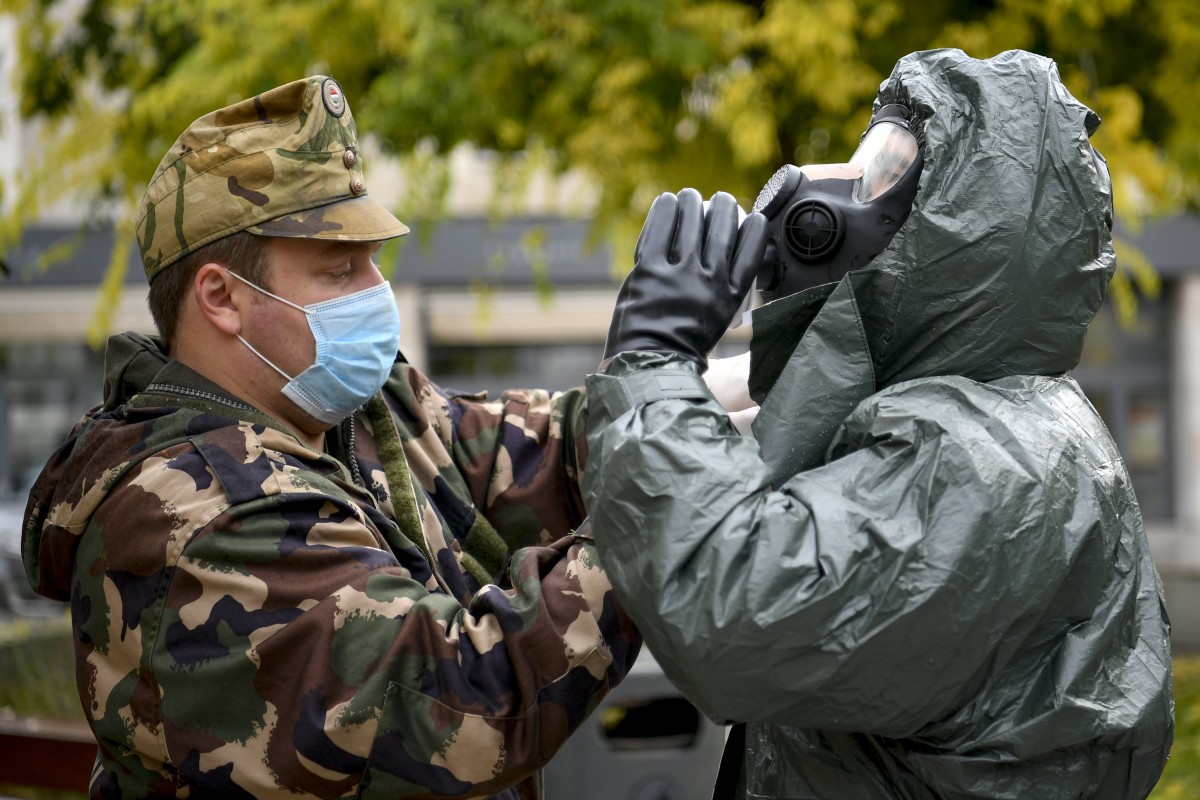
(254, 618)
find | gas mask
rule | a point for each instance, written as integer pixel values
(826, 220)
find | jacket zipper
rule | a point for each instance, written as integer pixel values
(352, 459)
(166, 388)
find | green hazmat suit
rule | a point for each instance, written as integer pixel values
(926, 574)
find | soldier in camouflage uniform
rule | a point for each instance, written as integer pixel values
(272, 597)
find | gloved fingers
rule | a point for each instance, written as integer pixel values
(658, 231)
(720, 233)
(689, 228)
(748, 253)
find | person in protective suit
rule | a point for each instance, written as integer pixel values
(925, 575)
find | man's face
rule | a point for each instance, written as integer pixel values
(304, 271)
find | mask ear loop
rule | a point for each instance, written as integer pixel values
(252, 348)
(256, 287)
(265, 360)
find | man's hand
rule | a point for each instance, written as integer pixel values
(692, 268)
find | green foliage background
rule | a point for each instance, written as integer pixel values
(638, 96)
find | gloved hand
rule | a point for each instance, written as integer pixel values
(692, 267)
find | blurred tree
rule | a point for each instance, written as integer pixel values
(638, 96)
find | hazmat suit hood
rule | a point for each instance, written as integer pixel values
(1002, 264)
(1006, 255)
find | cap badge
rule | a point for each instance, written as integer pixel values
(331, 93)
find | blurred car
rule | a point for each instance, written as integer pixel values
(17, 598)
(644, 742)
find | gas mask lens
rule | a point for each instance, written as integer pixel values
(885, 155)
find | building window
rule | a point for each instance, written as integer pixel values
(494, 368)
(1125, 371)
(44, 389)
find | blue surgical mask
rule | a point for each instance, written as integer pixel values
(357, 337)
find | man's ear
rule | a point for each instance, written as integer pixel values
(214, 288)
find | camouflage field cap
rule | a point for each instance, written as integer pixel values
(284, 163)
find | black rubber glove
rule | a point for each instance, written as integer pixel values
(692, 267)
